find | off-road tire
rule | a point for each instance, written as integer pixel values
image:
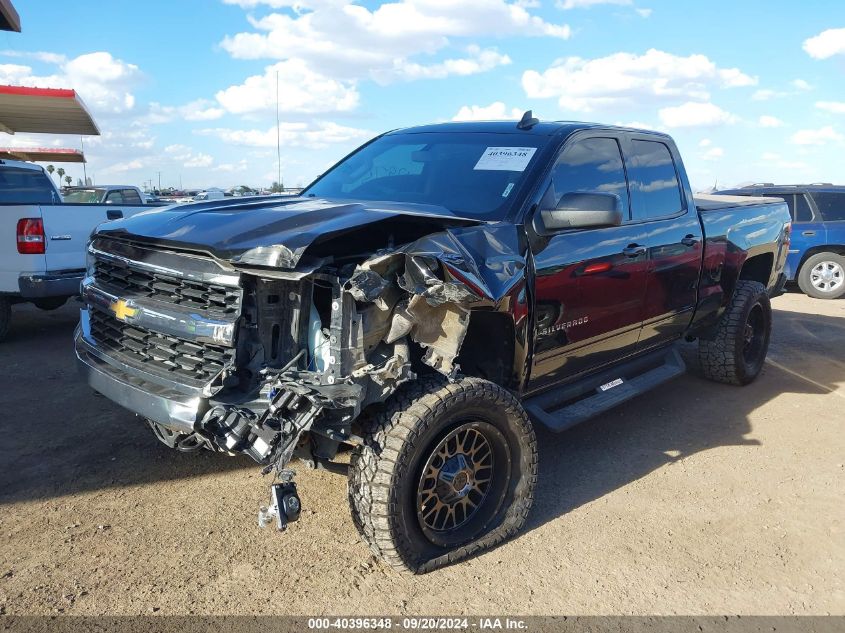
(806, 271)
(5, 316)
(386, 471)
(730, 356)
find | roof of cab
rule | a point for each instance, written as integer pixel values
(543, 128)
(5, 162)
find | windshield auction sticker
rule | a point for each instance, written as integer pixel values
(505, 158)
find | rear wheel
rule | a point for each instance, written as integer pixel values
(736, 354)
(5, 316)
(822, 276)
(447, 470)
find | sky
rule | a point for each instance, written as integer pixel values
(185, 90)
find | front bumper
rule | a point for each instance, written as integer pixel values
(172, 409)
(50, 285)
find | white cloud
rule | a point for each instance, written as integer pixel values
(187, 157)
(765, 94)
(41, 56)
(713, 153)
(201, 110)
(231, 168)
(626, 78)
(350, 41)
(705, 142)
(837, 107)
(104, 82)
(300, 90)
(734, 78)
(496, 111)
(479, 61)
(273, 4)
(820, 136)
(200, 160)
(826, 44)
(198, 110)
(586, 4)
(292, 135)
(644, 13)
(800, 84)
(640, 125)
(767, 120)
(692, 114)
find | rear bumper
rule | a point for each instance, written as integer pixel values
(174, 410)
(50, 285)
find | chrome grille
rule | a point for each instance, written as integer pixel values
(215, 299)
(167, 356)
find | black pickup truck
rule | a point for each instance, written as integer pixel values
(424, 304)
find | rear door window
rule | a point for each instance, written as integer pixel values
(803, 212)
(788, 198)
(593, 164)
(25, 186)
(831, 205)
(130, 196)
(655, 190)
(114, 197)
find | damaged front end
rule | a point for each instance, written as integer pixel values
(275, 353)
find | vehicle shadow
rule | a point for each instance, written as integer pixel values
(59, 437)
(62, 440)
(685, 417)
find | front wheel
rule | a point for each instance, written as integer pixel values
(735, 355)
(447, 470)
(822, 276)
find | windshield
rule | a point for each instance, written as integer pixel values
(472, 175)
(87, 196)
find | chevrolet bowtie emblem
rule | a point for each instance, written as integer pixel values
(122, 310)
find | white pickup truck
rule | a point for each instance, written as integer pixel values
(43, 239)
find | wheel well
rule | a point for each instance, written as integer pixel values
(758, 268)
(488, 349)
(839, 249)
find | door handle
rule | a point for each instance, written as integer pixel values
(689, 240)
(634, 250)
(808, 233)
(114, 214)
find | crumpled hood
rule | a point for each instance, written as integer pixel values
(271, 232)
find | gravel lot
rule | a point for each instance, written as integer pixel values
(696, 499)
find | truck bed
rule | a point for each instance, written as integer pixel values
(709, 202)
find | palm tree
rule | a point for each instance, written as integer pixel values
(50, 169)
(68, 180)
(61, 173)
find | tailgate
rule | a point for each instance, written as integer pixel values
(68, 227)
(12, 263)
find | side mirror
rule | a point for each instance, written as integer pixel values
(582, 210)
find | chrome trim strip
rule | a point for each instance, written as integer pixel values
(124, 366)
(156, 316)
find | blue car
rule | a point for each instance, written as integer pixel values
(817, 253)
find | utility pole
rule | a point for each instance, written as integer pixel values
(159, 181)
(84, 160)
(278, 134)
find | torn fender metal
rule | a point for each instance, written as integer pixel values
(466, 265)
(446, 274)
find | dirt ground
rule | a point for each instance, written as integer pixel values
(696, 499)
